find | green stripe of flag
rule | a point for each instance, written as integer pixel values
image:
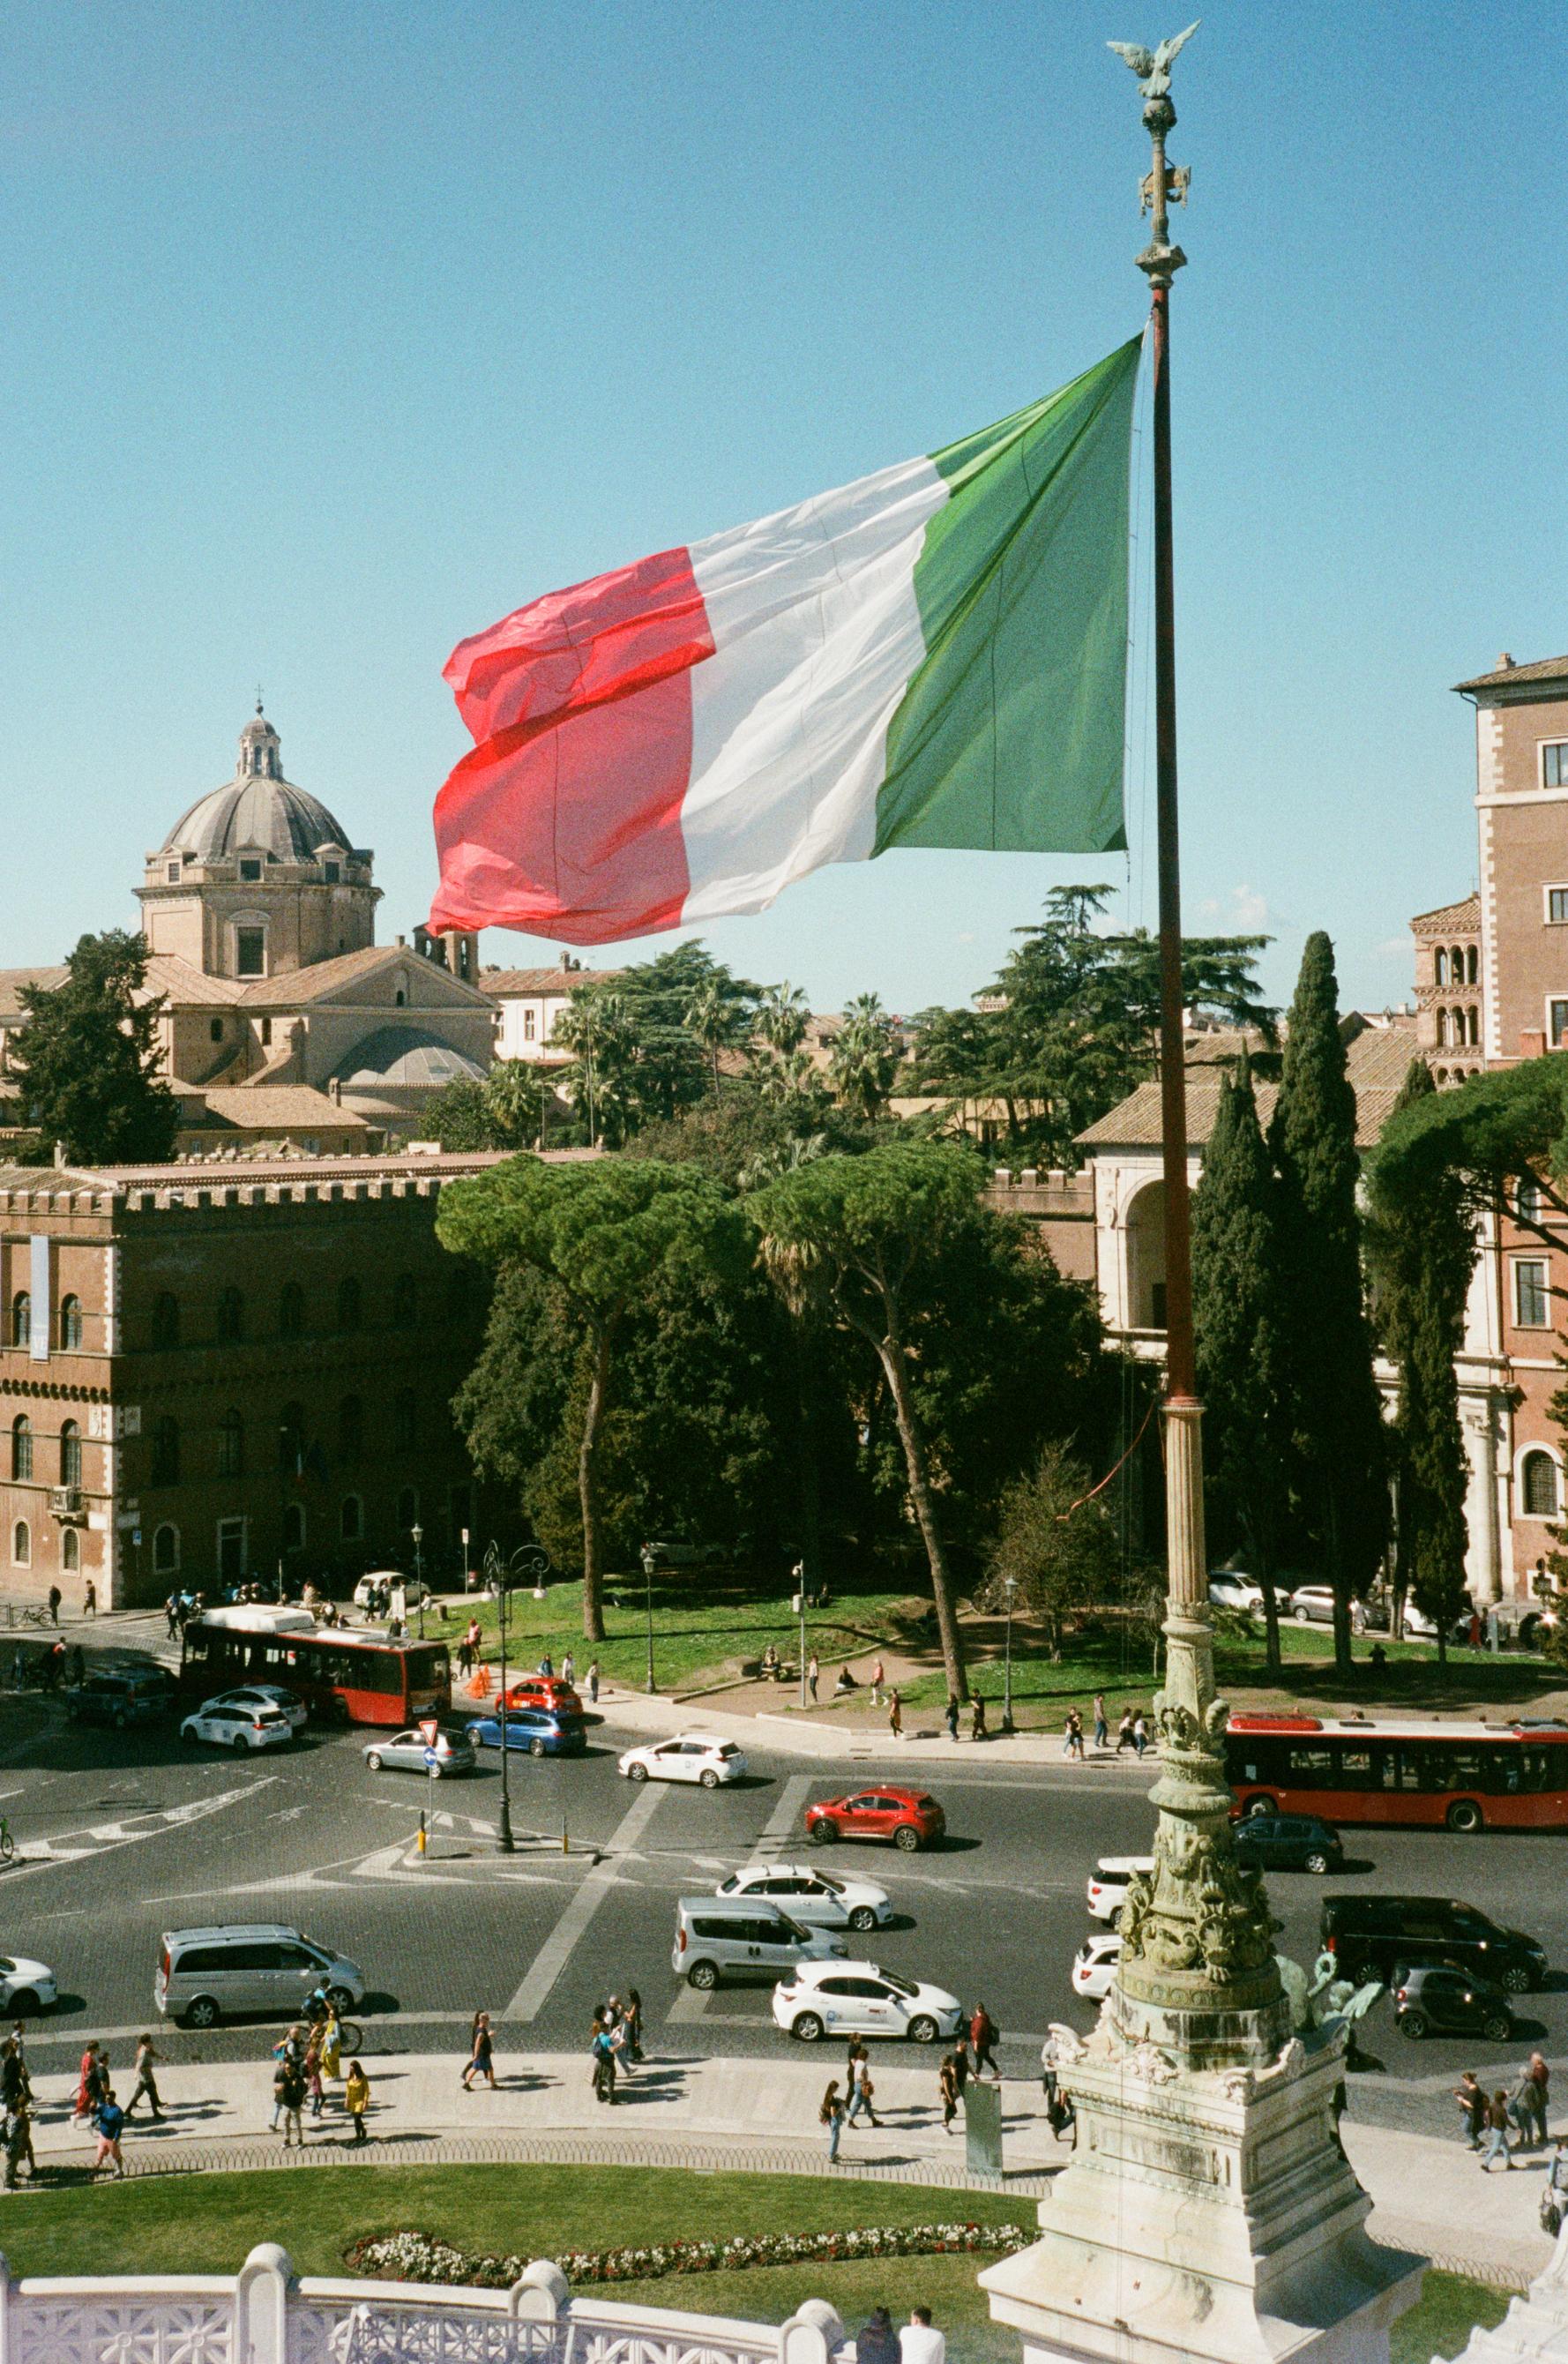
(1010, 735)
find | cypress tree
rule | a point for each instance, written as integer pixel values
(1238, 1320)
(1422, 1253)
(1333, 1409)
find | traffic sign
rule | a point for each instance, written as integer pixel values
(428, 1727)
(432, 1758)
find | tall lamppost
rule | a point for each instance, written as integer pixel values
(648, 1583)
(418, 1534)
(800, 1604)
(495, 1572)
(1009, 1587)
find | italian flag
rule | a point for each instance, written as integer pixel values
(932, 656)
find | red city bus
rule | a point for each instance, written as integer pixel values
(341, 1674)
(1452, 1775)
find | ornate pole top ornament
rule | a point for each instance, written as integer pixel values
(1164, 183)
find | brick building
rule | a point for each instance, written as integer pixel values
(204, 1372)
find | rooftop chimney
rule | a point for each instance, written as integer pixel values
(1505, 662)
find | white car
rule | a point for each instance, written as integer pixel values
(238, 1727)
(24, 1986)
(820, 1898)
(1107, 1884)
(387, 1581)
(1313, 1605)
(690, 1756)
(1228, 1590)
(822, 1999)
(1094, 1967)
(253, 1696)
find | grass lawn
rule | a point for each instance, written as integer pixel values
(204, 2223)
(707, 1627)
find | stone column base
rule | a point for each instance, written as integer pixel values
(1204, 2215)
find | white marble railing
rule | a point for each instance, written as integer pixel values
(264, 2315)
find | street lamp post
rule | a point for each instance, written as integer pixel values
(495, 1570)
(648, 1582)
(418, 1534)
(1009, 1587)
(800, 1604)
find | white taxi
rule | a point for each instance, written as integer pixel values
(820, 1999)
(820, 1898)
(691, 1757)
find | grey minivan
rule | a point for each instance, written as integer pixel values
(742, 1936)
(204, 1975)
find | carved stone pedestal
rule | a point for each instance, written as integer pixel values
(1205, 2215)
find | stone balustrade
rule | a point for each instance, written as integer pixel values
(264, 2314)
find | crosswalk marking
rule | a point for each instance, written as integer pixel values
(98, 1838)
(569, 1931)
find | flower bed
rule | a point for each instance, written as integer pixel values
(417, 2258)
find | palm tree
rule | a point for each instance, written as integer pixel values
(782, 1016)
(710, 1018)
(594, 1027)
(864, 1055)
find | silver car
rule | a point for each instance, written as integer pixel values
(404, 1753)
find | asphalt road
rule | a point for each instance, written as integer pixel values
(123, 1837)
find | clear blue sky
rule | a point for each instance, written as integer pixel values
(332, 333)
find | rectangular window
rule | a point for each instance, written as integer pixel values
(173, 873)
(1557, 1019)
(266, 1032)
(1529, 1294)
(528, 1025)
(250, 952)
(1555, 763)
(329, 871)
(1557, 906)
(218, 1030)
(251, 871)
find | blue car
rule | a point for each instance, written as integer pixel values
(541, 1731)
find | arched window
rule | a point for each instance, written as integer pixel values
(1526, 1199)
(231, 1444)
(165, 1550)
(1472, 966)
(21, 1446)
(1538, 1486)
(405, 1420)
(294, 1526)
(166, 1318)
(1456, 964)
(21, 1544)
(291, 1310)
(230, 1316)
(70, 1454)
(70, 1324)
(351, 1304)
(352, 1519)
(350, 1429)
(1440, 1077)
(21, 1319)
(71, 1551)
(405, 1301)
(166, 1451)
(1442, 1030)
(407, 1508)
(1440, 967)
(1476, 1028)
(291, 1440)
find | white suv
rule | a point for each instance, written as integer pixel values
(1107, 1884)
(690, 1756)
(862, 1999)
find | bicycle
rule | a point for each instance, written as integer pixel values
(33, 1614)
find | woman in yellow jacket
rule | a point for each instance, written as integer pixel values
(332, 2046)
(357, 2099)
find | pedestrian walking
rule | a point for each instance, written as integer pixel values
(146, 2082)
(896, 1715)
(90, 2083)
(602, 2049)
(632, 2020)
(831, 2115)
(593, 1682)
(1473, 2108)
(332, 2046)
(985, 2034)
(465, 1657)
(813, 1675)
(89, 1598)
(481, 2053)
(1074, 1742)
(569, 1670)
(547, 1665)
(15, 2085)
(1124, 1730)
(313, 2084)
(919, 2343)
(947, 2086)
(55, 1597)
(108, 2120)
(961, 2061)
(863, 2096)
(293, 2089)
(1139, 1733)
(1540, 2078)
(1102, 1729)
(172, 1615)
(357, 2099)
(1496, 2133)
(949, 1716)
(878, 2342)
(878, 1676)
(18, 2142)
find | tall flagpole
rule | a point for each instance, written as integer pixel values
(1197, 1973)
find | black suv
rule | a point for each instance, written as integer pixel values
(1288, 1843)
(1376, 1935)
(1430, 2001)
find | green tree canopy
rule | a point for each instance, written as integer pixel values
(88, 1059)
(1057, 1550)
(504, 1112)
(603, 1233)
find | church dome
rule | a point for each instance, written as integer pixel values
(407, 1057)
(257, 808)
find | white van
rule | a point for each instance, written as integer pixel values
(1107, 1884)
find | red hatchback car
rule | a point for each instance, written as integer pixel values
(544, 1690)
(909, 1818)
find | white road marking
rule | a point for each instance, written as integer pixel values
(692, 2003)
(569, 1931)
(100, 1838)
